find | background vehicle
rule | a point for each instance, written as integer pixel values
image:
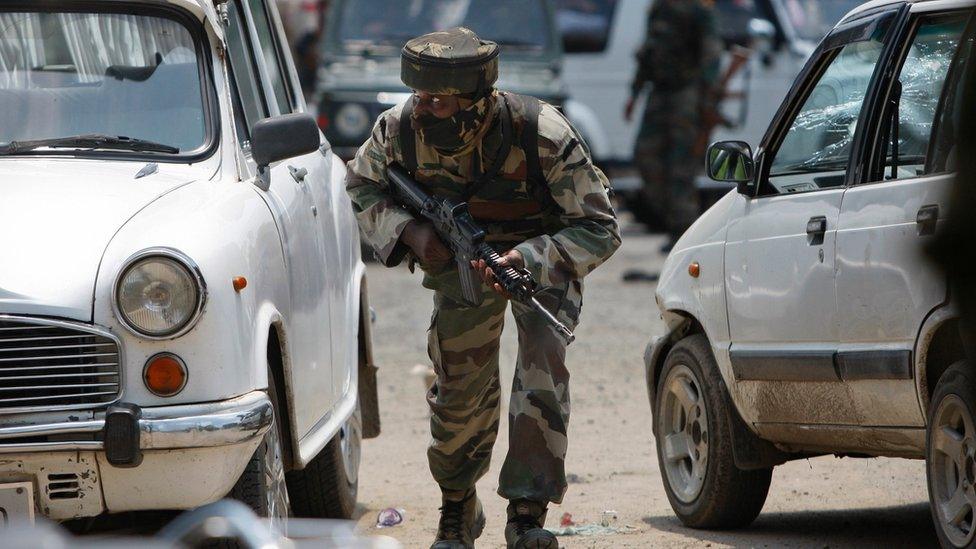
(600, 38)
(803, 318)
(186, 317)
(360, 73)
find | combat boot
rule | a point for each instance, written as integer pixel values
(461, 523)
(525, 526)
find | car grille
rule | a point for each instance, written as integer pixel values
(47, 365)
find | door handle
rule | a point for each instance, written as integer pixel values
(816, 229)
(927, 219)
(298, 174)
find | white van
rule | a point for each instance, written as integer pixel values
(600, 38)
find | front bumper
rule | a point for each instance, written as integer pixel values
(208, 425)
(179, 457)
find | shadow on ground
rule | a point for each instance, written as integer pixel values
(900, 526)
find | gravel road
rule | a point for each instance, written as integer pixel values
(823, 502)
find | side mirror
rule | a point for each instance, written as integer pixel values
(731, 162)
(280, 138)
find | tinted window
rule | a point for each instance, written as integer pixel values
(518, 24)
(68, 74)
(245, 74)
(585, 24)
(816, 150)
(266, 39)
(920, 82)
(944, 147)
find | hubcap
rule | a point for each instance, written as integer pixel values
(276, 491)
(953, 471)
(350, 437)
(684, 430)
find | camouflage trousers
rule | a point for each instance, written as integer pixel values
(667, 158)
(464, 401)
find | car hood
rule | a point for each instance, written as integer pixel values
(57, 217)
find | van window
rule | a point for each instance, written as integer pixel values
(585, 25)
(815, 152)
(916, 96)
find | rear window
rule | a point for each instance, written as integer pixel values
(513, 24)
(585, 25)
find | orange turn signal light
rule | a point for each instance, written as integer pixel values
(694, 269)
(239, 283)
(164, 375)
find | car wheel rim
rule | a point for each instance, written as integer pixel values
(953, 470)
(684, 430)
(276, 490)
(350, 437)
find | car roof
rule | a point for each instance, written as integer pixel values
(880, 3)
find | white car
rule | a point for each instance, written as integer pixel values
(183, 310)
(803, 317)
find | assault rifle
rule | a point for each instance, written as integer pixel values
(454, 225)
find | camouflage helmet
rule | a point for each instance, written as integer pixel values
(451, 62)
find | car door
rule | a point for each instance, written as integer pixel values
(331, 206)
(780, 245)
(263, 91)
(885, 286)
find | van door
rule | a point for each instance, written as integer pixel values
(886, 286)
(780, 246)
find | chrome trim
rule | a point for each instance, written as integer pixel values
(208, 425)
(87, 328)
(179, 257)
(182, 363)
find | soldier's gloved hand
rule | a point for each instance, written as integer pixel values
(426, 245)
(511, 258)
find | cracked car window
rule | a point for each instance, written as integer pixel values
(921, 81)
(815, 152)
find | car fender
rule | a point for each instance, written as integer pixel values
(227, 231)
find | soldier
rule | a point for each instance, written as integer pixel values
(680, 58)
(529, 180)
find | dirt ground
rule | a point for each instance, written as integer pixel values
(823, 502)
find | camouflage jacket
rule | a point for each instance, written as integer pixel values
(682, 47)
(562, 238)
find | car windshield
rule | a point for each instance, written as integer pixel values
(813, 20)
(135, 77)
(514, 24)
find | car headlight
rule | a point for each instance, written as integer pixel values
(159, 294)
(352, 120)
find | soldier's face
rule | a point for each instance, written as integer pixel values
(441, 106)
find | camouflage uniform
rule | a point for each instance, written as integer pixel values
(562, 236)
(680, 57)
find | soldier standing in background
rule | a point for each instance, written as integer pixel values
(680, 58)
(530, 182)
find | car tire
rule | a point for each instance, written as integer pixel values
(262, 485)
(950, 454)
(328, 486)
(692, 419)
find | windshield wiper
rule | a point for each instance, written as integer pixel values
(90, 141)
